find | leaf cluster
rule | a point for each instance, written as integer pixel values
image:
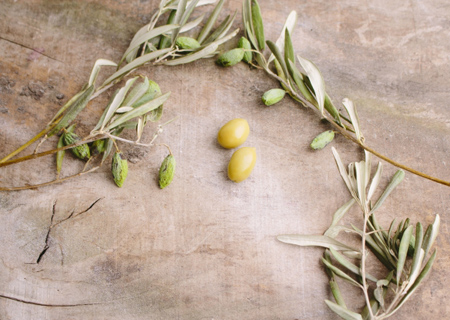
(399, 248)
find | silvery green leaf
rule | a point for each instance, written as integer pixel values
(251, 37)
(365, 314)
(360, 168)
(117, 102)
(431, 234)
(139, 111)
(136, 93)
(288, 25)
(192, 24)
(350, 266)
(199, 4)
(136, 63)
(299, 81)
(258, 26)
(210, 22)
(187, 13)
(352, 254)
(343, 172)
(247, 19)
(276, 52)
(334, 231)
(403, 251)
(396, 179)
(96, 69)
(341, 274)
(314, 241)
(124, 109)
(339, 214)
(413, 288)
(222, 29)
(336, 292)
(375, 181)
(102, 118)
(418, 256)
(206, 51)
(344, 313)
(316, 79)
(289, 54)
(368, 170)
(351, 110)
(147, 36)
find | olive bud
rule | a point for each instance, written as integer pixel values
(322, 140)
(119, 169)
(230, 58)
(187, 43)
(245, 44)
(273, 96)
(82, 151)
(166, 171)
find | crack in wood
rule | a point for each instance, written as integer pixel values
(26, 47)
(52, 225)
(48, 304)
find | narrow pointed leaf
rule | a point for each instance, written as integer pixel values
(96, 69)
(222, 29)
(210, 22)
(117, 102)
(136, 63)
(147, 36)
(396, 179)
(341, 274)
(313, 241)
(276, 52)
(339, 214)
(431, 234)
(139, 111)
(403, 251)
(289, 27)
(375, 181)
(344, 313)
(316, 79)
(351, 110)
(258, 25)
(350, 266)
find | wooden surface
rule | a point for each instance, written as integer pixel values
(205, 248)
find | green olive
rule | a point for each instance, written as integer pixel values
(241, 164)
(233, 133)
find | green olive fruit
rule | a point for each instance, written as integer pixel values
(233, 133)
(241, 164)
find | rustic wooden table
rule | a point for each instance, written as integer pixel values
(206, 248)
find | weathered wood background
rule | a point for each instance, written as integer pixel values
(205, 248)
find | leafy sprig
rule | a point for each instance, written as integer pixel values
(402, 251)
(134, 105)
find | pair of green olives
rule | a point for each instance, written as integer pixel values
(232, 135)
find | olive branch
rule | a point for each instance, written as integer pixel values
(140, 101)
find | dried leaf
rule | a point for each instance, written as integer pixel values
(375, 181)
(431, 234)
(351, 110)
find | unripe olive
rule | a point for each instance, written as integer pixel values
(233, 133)
(241, 164)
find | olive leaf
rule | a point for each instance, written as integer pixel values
(396, 179)
(344, 313)
(96, 69)
(287, 30)
(317, 81)
(315, 241)
(210, 22)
